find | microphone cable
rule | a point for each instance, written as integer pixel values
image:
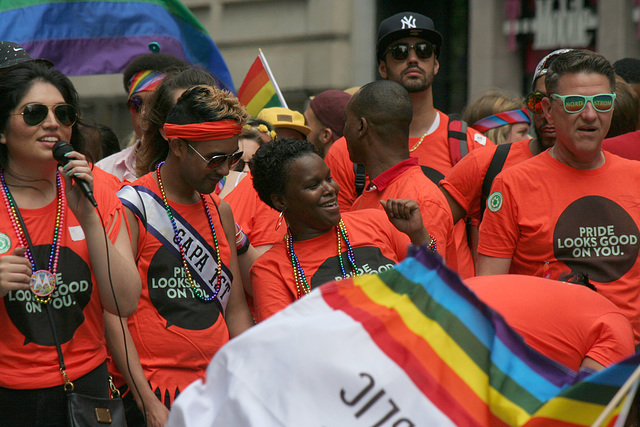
(115, 300)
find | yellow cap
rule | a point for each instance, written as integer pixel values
(281, 117)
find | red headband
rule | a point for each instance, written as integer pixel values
(207, 131)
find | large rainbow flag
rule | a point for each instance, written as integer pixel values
(411, 346)
(84, 37)
(259, 88)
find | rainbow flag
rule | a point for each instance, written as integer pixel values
(410, 346)
(584, 403)
(259, 89)
(83, 37)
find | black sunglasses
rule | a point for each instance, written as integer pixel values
(219, 159)
(400, 51)
(134, 104)
(34, 114)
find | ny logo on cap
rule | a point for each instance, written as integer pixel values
(408, 22)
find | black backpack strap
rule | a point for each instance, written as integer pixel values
(361, 176)
(497, 162)
(457, 134)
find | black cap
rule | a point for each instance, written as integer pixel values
(406, 24)
(13, 54)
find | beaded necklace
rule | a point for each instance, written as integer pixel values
(302, 286)
(43, 282)
(197, 290)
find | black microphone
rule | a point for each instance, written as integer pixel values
(61, 148)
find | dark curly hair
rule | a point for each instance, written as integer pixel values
(577, 278)
(270, 165)
(14, 85)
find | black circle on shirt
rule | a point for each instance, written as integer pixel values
(369, 259)
(595, 235)
(171, 294)
(71, 296)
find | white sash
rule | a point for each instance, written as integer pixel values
(150, 209)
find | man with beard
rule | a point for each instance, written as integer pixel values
(467, 185)
(408, 48)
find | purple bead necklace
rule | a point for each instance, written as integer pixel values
(43, 282)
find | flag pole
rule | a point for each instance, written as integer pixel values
(273, 80)
(635, 376)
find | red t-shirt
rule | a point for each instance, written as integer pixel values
(549, 218)
(434, 156)
(376, 243)
(406, 181)
(464, 181)
(28, 356)
(175, 333)
(563, 321)
(626, 145)
(108, 179)
(257, 219)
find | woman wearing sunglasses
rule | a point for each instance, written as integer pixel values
(321, 244)
(192, 297)
(58, 268)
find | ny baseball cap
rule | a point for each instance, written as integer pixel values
(543, 65)
(13, 54)
(280, 117)
(406, 24)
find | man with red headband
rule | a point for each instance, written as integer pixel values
(140, 79)
(184, 238)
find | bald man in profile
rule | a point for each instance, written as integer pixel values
(377, 120)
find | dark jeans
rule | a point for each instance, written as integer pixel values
(48, 406)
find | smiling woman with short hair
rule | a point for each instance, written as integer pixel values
(321, 244)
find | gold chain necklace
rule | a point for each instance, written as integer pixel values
(412, 149)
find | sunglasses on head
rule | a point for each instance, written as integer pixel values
(534, 102)
(218, 160)
(574, 104)
(400, 51)
(34, 114)
(134, 104)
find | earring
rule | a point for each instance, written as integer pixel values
(279, 222)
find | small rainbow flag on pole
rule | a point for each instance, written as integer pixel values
(406, 347)
(84, 37)
(259, 89)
